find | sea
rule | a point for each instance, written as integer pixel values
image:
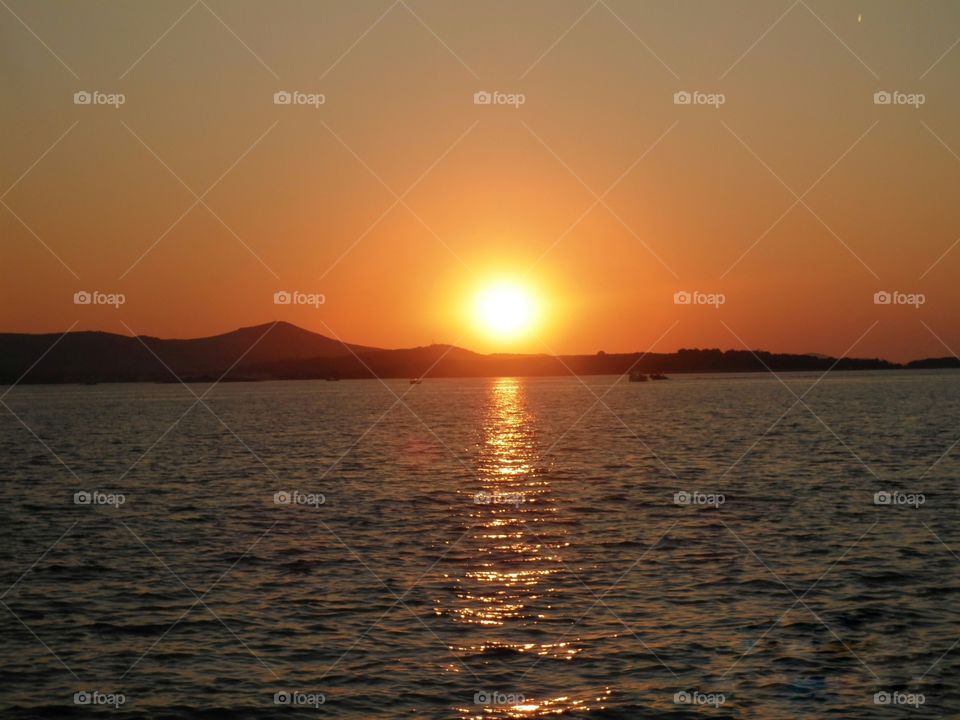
(728, 546)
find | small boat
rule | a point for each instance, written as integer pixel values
(658, 376)
(637, 376)
(416, 381)
(332, 378)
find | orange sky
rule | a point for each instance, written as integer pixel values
(304, 198)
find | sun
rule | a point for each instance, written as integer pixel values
(505, 310)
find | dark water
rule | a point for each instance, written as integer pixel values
(486, 548)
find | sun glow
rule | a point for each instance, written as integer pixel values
(505, 310)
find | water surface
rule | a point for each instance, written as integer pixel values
(485, 548)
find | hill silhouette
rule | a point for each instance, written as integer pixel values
(108, 357)
(281, 351)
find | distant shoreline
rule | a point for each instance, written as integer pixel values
(251, 381)
(281, 351)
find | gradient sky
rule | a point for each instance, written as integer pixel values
(306, 199)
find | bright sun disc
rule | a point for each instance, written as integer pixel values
(505, 310)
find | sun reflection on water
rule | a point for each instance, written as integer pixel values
(504, 598)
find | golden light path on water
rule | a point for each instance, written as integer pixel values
(504, 600)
